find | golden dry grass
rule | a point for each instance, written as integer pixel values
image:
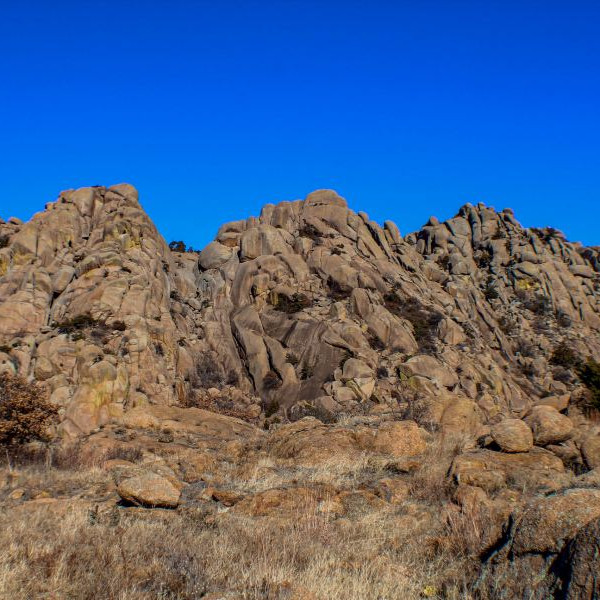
(69, 549)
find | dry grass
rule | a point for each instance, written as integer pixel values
(124, 554)
(343, 472)
(87, 547)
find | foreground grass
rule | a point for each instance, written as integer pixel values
(81, 545)
(132, 556)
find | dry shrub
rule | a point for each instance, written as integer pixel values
(338, 291)
(423, 319)
(25, 413)
(220, 405)
(210, 373)
(291, 304)
(430, 482)
(271, 381)
(565, 356)
(129, 453)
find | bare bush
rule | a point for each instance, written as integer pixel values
(25, 413)
(423, 319)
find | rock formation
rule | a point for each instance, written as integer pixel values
(312, 331)
(309, 307)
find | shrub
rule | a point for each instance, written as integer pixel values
(338, 291)
(4, 241)
(292, 359)
(589, 373)
(563, 375)
(382, 372)
(541, 325)
(25, 413)
(444, 261)
(311, 232)
(119, 326)
(528, 370)
(423, 319)
(507, 326)
(291, 304)
(564, 356)
(490, 291)
(208, 373)
(177, 246)
(562, 319)
(307, 372)
(538, 304)
(307, 409)
(376, 343)
(413, 406)
(484, 259)
(78, 322)
(547, 233)
(271, 408)
(526, 349)
(271, 381)
(133, 455)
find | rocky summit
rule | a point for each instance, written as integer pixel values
(416, 415)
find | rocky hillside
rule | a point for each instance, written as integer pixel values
(308, 309)
(310, 361)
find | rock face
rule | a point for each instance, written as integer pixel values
(307, 309)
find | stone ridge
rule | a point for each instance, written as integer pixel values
(309, 308)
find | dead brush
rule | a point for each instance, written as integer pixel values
(431, 482)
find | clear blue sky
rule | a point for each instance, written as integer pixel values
(407, 108)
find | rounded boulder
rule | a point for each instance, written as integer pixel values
(513, 435)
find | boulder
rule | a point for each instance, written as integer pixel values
(579, 563)
(214, 255)
(590, 449)
(547, 522)
(560, 403)
(430, 367)
(548, 425)
(356, 369)
(396, 438)
(513, 435)
(535, 470)
(150, 490)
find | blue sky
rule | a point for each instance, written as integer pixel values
(211, 109)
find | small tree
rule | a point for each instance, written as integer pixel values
(177, 246)
(25, 413)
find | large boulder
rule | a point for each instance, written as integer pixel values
(150, 490)
(430, 367)
(535, 470)
(214, 255)
(548, 425)
(550, 550)
(512, 435)
(397, 438)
